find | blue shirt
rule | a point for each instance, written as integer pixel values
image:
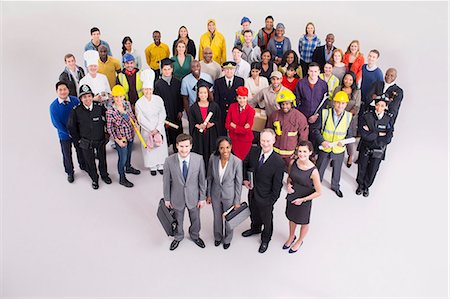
(368, 79)
(90, 46)
(189, 86)
(279, 47)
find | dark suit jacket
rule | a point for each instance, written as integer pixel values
(267, 179)
(319, 56)
(394, 92)
(225, 96)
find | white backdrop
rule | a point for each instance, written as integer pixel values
(62, 240)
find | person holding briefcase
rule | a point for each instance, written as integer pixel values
(224, 187)
(184, 186)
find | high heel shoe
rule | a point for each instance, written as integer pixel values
(294, 251)
(287, 246)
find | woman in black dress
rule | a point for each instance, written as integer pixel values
(204, 134)
(303, 186)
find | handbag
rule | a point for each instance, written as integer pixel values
(378, 153)
(234, 217)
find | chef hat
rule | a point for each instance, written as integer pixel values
(91, 57)
(147, 78)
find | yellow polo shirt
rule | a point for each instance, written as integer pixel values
(154, 54)
(110, 69)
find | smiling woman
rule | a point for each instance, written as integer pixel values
(67, 240)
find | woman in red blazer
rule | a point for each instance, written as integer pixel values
(239, 122)
(354, 60)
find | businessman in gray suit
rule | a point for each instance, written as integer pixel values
(224, 187)
(184, 185)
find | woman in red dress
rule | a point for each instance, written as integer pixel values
(239, 122)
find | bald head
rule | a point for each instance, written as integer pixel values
(391, 75)
(195, 68)
(207, 54)
(103, 52)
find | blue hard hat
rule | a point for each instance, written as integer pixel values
(127, 57)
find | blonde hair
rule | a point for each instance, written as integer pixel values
(355, 41)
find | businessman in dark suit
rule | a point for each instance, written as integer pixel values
(323, 53)
(184, 185)
(225, 91)
(267, 169)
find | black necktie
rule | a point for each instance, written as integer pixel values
(229, 83)
(261, 160)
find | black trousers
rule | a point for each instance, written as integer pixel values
(89, 157)
(66, 149)
(367, 170)
(261, 215)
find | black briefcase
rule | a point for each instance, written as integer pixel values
(167, 218)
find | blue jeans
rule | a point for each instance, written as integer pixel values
(124, 157)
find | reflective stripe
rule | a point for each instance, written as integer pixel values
(124, 82)
(290, 134)
(331, 133)
(283, 152)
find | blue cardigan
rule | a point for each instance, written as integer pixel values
(59, 113)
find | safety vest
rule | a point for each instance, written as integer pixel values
(331, 133)
(124, 82)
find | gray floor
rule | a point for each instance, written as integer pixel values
(67, 240)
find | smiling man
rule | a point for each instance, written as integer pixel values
(184, 185)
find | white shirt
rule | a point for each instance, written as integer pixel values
(266, 155)
(62, 100)
(222, 170)
(379, 115)
(242, 69)
(181, 162)
(229, 81)
(387, 85)
(90, 107)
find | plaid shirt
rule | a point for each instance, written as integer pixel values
(118, 124)
(306, 47)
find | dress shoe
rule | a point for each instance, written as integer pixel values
(106, 179)
(349, 162)
(174, 244)
(217, 243)
(287, 246)
(359, 190)
(132, 170)
(123, 181)
(250, 232)
(339, 193)
(294, 251)
(94, 185)
(263, 247)
(366, 192)
(153, 172)
(226, 246)
(199, 243)
(70, 178)
(160, 171)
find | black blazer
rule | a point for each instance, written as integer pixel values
(394, 92)
(225, 96)
(267, 179)
(319, 56)
(67, 77)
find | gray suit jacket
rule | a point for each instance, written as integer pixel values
(231, 186)
(182, 193)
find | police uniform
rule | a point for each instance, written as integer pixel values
(87, 128)
(372, 147)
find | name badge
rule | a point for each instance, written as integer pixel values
(381, 126)
(96, 119)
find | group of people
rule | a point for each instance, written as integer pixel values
(315, 104)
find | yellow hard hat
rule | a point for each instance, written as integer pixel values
(286, 96)
(117, 91)
(341, 96)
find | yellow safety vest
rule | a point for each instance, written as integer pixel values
(124, 82)
(331, 133)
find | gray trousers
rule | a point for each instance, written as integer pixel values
(194, 229)
(219, 207)
(322, 163)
